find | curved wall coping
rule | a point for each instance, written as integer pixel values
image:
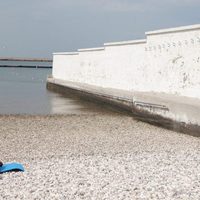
(125, 42)
(66, 53)
(174, 30)
(91, 49)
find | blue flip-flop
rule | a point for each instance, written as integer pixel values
(9, 167)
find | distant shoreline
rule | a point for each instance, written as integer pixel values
(24, 66)
(26, 59)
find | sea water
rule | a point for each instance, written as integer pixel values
(23, 91)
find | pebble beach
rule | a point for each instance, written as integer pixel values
(97, 156)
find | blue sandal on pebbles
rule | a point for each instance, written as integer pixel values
(11, 167)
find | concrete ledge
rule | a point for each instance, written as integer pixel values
(174, 30)
(171, 112)
(125, 43)
(92, 49)
(66, 53)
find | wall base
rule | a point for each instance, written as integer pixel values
(169, 111)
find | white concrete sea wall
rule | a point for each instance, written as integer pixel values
(167, 61)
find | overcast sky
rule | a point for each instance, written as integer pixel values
(36, 28)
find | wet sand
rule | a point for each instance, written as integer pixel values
(97, 156)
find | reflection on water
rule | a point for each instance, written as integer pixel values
(59, 105)
(73, 105)
(23, 91)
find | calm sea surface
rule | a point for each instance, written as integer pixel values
(25, 63)
(23, 91)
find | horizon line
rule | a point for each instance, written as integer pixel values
(25, 59)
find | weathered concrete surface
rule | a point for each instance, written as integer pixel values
(104, 156)
(170, 111)
(167, 61)
(158, 77)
